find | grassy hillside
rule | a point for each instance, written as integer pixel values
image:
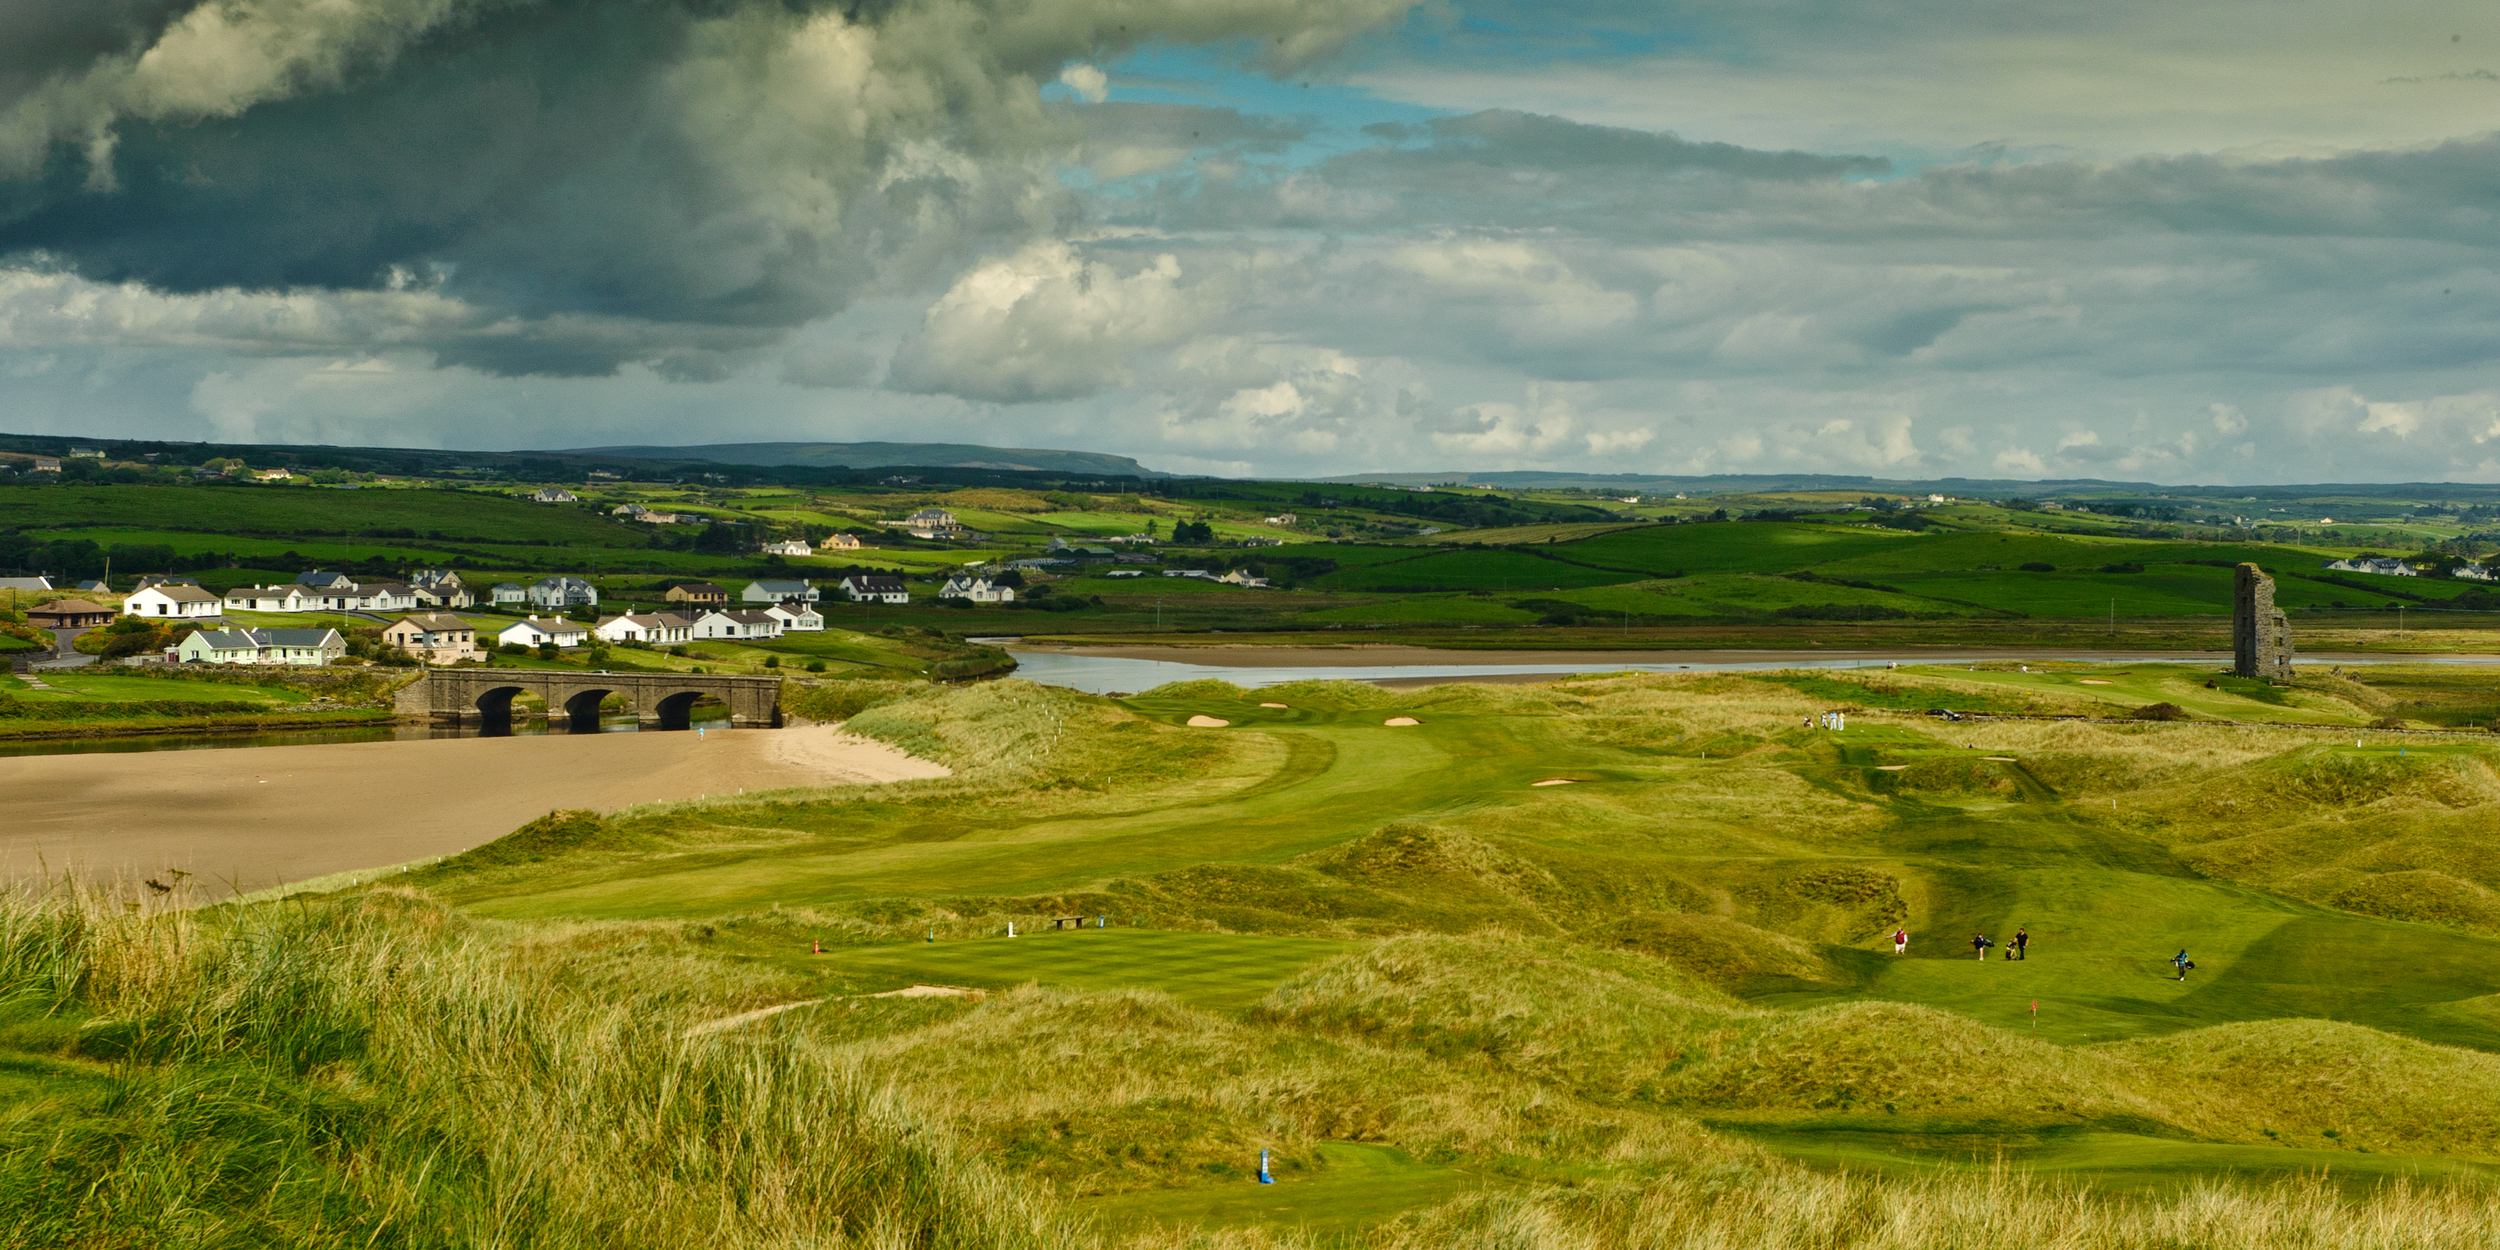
(1599, 963)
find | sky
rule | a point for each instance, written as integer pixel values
(2195, 241)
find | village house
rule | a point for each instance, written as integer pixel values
(323, 579)
(658, 629)
(797, 618)
(840, 542)
(69, 614)
(2384, 567)
(1287, 518)
(874, 588)
(453, 595)
(308, 648)
(977, 589)
(789, 547)
(769, 591)
(158, 579)
(93, 586)
(508, 594)
(45, 464)
(86, 453)
(369, 597)
(554, 494)
(174, 602)
(2473, 573)
(435, 638)
(288, 598)
(25, 583)
(539, 631)
(700, 594)
(563, 592)
(649, 517)
(1240, 578)
(740, 625)
(932, 523)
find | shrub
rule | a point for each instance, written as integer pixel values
(815, 666)
(2160, 711)
(2388, 722)
(772, 661)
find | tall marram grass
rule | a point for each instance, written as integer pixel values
(374, 1072)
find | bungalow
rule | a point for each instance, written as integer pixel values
(977, 589)
(554, 494)
(841, 542)
(540, 631)
(743, 625)
(797, 618)
(289, 598)
(867, 588)
(1289, 519)
(46, 464)
(68, 614)
(443, 595)
(434, 638)
(1189, 573)
(1239, 578)
(1126, 573)
(563, 592)
(165, 579)
(320, 579)
(789, 547)
(25, 583)
(658, 629)
(701, 594)
(508, 595)
(181, 603)
(309, 648)
(648, 517)
(434, 579)
(2382, 566)
(772, 591)
(372, 597)
(94, 586)
(2473, 573)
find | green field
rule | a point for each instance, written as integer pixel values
(1608, 957)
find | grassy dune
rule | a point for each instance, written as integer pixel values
(1656, 1005)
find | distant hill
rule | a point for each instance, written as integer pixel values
(878, 455)
(1746, 483)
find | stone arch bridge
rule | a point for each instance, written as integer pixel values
(660, 700)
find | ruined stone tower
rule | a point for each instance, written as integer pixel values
(2261, 636)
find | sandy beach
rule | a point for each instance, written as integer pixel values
(254, 817)
(1255, 655)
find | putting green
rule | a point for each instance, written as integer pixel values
(1213, 970)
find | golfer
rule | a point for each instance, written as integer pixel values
(1979, 942)
(2022, 944)
(1900, 941)
(2183, 963)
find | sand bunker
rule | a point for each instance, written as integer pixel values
(1271, 705)
(1554, 781)
(1207, 722)
(1401, 721)
(242, 808)
(1890, 768)
(2094, 681)
(925, 991)
(2002, 759)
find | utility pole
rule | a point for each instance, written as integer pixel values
(2113, 618)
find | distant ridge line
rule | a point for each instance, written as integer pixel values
(881, 455)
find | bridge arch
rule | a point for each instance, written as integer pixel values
(666, 699)
(676, 711)
(582, 708)
(494, 708)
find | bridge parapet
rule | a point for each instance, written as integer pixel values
(666, 699)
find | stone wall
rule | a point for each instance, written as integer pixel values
(2261, 636)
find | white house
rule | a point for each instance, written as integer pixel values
(2384, 567)
(2473, 573)
(288, 598)
(174, 601)
(867, 588)
(775, 591)
(742, 625)
(538, 631)
(554, 494)
(321, 579)
(796, 618)
(977, 589)
(1189, 573)
(657, 629)
(435, 638)
(789, 547)
(508, 595)
(1239, 578)
(932, 523)
(310, 648)
(563, 592)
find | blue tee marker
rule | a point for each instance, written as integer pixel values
(1264, 1178)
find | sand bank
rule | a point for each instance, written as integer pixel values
(256, 817)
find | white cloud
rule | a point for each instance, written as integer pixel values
(1088, 82)
(2020, 462)
(1047, 323)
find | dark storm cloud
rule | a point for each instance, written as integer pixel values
(746, 166)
